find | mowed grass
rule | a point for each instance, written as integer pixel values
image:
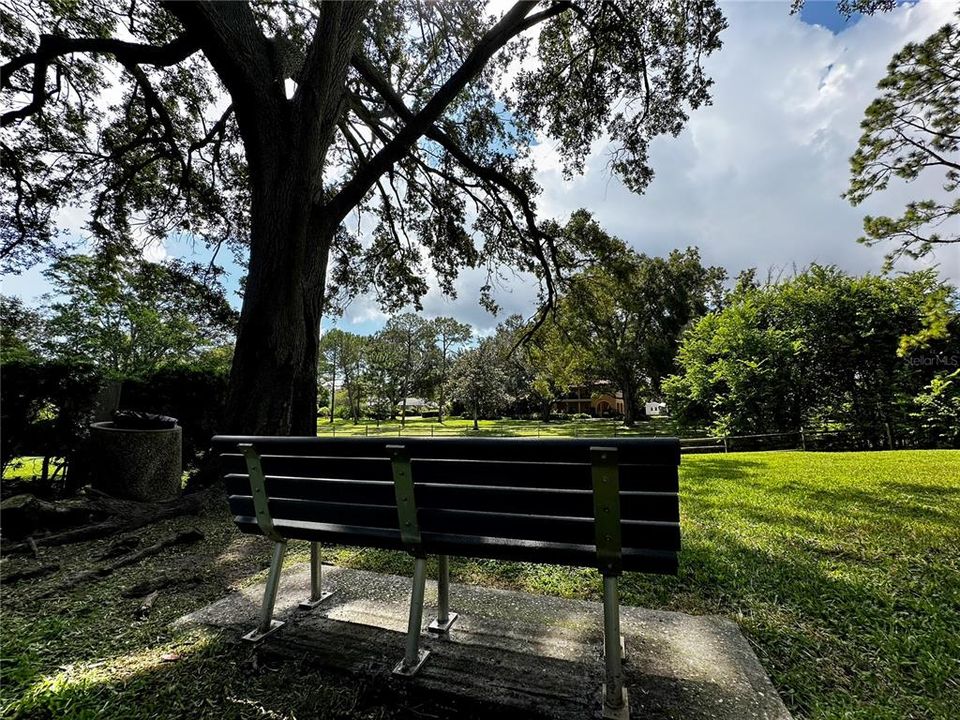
(25, 468)
(506, 427)
(843, 570)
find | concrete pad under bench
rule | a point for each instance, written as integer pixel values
(524, 654)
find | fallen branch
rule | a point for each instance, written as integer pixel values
(146, 606)
(71, 581)
(127, 515)
(161, 582)
(31, 574)
(120, 547)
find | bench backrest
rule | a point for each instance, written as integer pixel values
(502, 498)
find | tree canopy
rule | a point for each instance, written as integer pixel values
(913, 127)
(131, 318)
(625, 312)
(387, 138)
(822, 349)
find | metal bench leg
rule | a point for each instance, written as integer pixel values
(616, 705)
(317, 595)
(268, 625)
(414, 657)
(445, 619)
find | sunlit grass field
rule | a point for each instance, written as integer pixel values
(506, 427)
(842, 569)
(24, 468)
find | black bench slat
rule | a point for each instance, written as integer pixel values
(378, 516)
(663, 562)
(544, 501)
(363, 492)
(637, 560)
(567, 476)
(647, 451)
(382, 538)
(579, 531)
(306, 466)
(526, 501)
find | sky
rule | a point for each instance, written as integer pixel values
(754, 180)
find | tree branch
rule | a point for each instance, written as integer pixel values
(488, 174)
(514, 22)
(52, 47)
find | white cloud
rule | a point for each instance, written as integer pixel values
(755, 179)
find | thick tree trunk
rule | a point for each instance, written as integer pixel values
(333, 390)
(545, 410)
(273, 382)
(629, 403)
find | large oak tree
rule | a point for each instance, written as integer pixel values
(360, 141)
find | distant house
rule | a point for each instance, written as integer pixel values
(418, 405)
(598, 399)
(654, 408)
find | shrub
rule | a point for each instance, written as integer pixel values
(937, 412)
(196, 396)
(47, 407)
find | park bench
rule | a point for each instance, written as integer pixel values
(607, 503)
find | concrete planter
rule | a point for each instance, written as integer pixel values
(140, 465)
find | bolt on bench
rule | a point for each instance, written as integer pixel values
(609, 503)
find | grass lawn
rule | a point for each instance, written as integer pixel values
(26, 468)
(843, 570)
(418, 426)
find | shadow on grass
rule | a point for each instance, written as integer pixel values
(96, 617)
(214, 677)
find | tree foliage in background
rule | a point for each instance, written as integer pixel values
(21, 331)
(913, 128)
(272, 127)
(132, 317)
(822, 349)
(625, 312)
(936, 410)
(556, 365)
(45, 410)
(413, 338)
(384, 373)
(478, 381)
(345, 359)
(450, 335)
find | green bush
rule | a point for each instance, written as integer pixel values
(196, 396)
(937, 412)
(46, 408)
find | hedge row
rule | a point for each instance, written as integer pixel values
(46, 407)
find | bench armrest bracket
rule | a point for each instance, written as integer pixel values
(406, 502)
(258, 489)
(606, 508)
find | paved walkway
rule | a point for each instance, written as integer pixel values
(513, 652)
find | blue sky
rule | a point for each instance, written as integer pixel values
(825, 13)
(754, 180)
